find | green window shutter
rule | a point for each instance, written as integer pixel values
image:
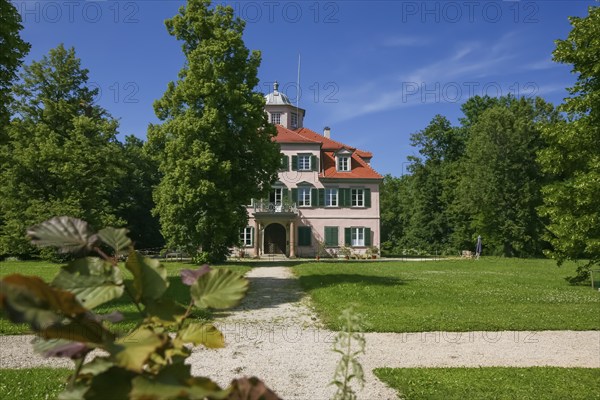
(314, 163)
(322, 197)
(284, 194)
(331, 236)
(314, 197)
(304, 236)
(251, 236)
(367, 237)
(345, 197)
(367, 198)
(294, 163)
(294, 195)
(348, 236)
(285, 163)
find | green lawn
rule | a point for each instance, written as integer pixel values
(47, 271)
(539, 383)
(459, 295)
(33, 383)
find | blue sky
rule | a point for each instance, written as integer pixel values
(374, 71)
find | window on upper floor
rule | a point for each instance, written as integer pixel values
(358, 197)
(294, 121)
(343, 164)
(304, 162)
(331, 197)
(304, 196)
(276, 118)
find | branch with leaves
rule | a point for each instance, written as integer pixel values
(146, 363)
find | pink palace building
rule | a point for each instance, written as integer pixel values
(326, 192)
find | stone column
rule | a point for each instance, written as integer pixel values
(256, 237)
(292, 239)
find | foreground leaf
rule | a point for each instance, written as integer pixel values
(205, 334)
(149, 277)
(165, 311)
(251, 389)
(132, 351)
(31, 300)
(175, 382)
(114, 383)
(115, 238)
(189, 276)
(92, 280)
(67, 233)
(60, 348)
(220, 288)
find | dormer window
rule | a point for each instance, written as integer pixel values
(344, 163)
(276, 118)
(294, 120)
(343, 160)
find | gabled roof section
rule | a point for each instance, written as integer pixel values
(330, 144)
(285, 135)
(360, 169)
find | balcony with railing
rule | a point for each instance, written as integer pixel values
(268, 207)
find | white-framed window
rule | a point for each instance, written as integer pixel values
(331, 197)
(358, 237)
(304, 196)
(246, 236)
(294, 118)
(344, 163)
(358, 197)
(276, 195)
(304, 162)
(276, 118)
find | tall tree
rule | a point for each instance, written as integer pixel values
(12, 51)
(500, 180)
(215, 143)
(573, 153)
(133, 199)
(440, 146)
(396, 205)
(59, 153)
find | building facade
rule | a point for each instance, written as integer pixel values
(326, 193)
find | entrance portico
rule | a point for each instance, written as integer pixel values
(274, 228)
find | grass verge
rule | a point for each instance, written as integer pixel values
(32, 383)
(490, 294)
(536, 383)
(47, 271)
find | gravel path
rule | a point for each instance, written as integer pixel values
(275, 335)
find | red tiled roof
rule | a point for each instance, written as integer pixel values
(330, 144)
(359, 168)
(285, 135)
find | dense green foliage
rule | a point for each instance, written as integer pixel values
(214, 145)
(60, 151)
(32, 383)
(493, 383)
(12, 51)
(479, 178)
(523, 175)
(145, 363)
(62, 157)
(491, 294)
(572, 157)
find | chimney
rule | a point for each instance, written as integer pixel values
(327, 132)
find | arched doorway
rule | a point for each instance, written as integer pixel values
(274, 239)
